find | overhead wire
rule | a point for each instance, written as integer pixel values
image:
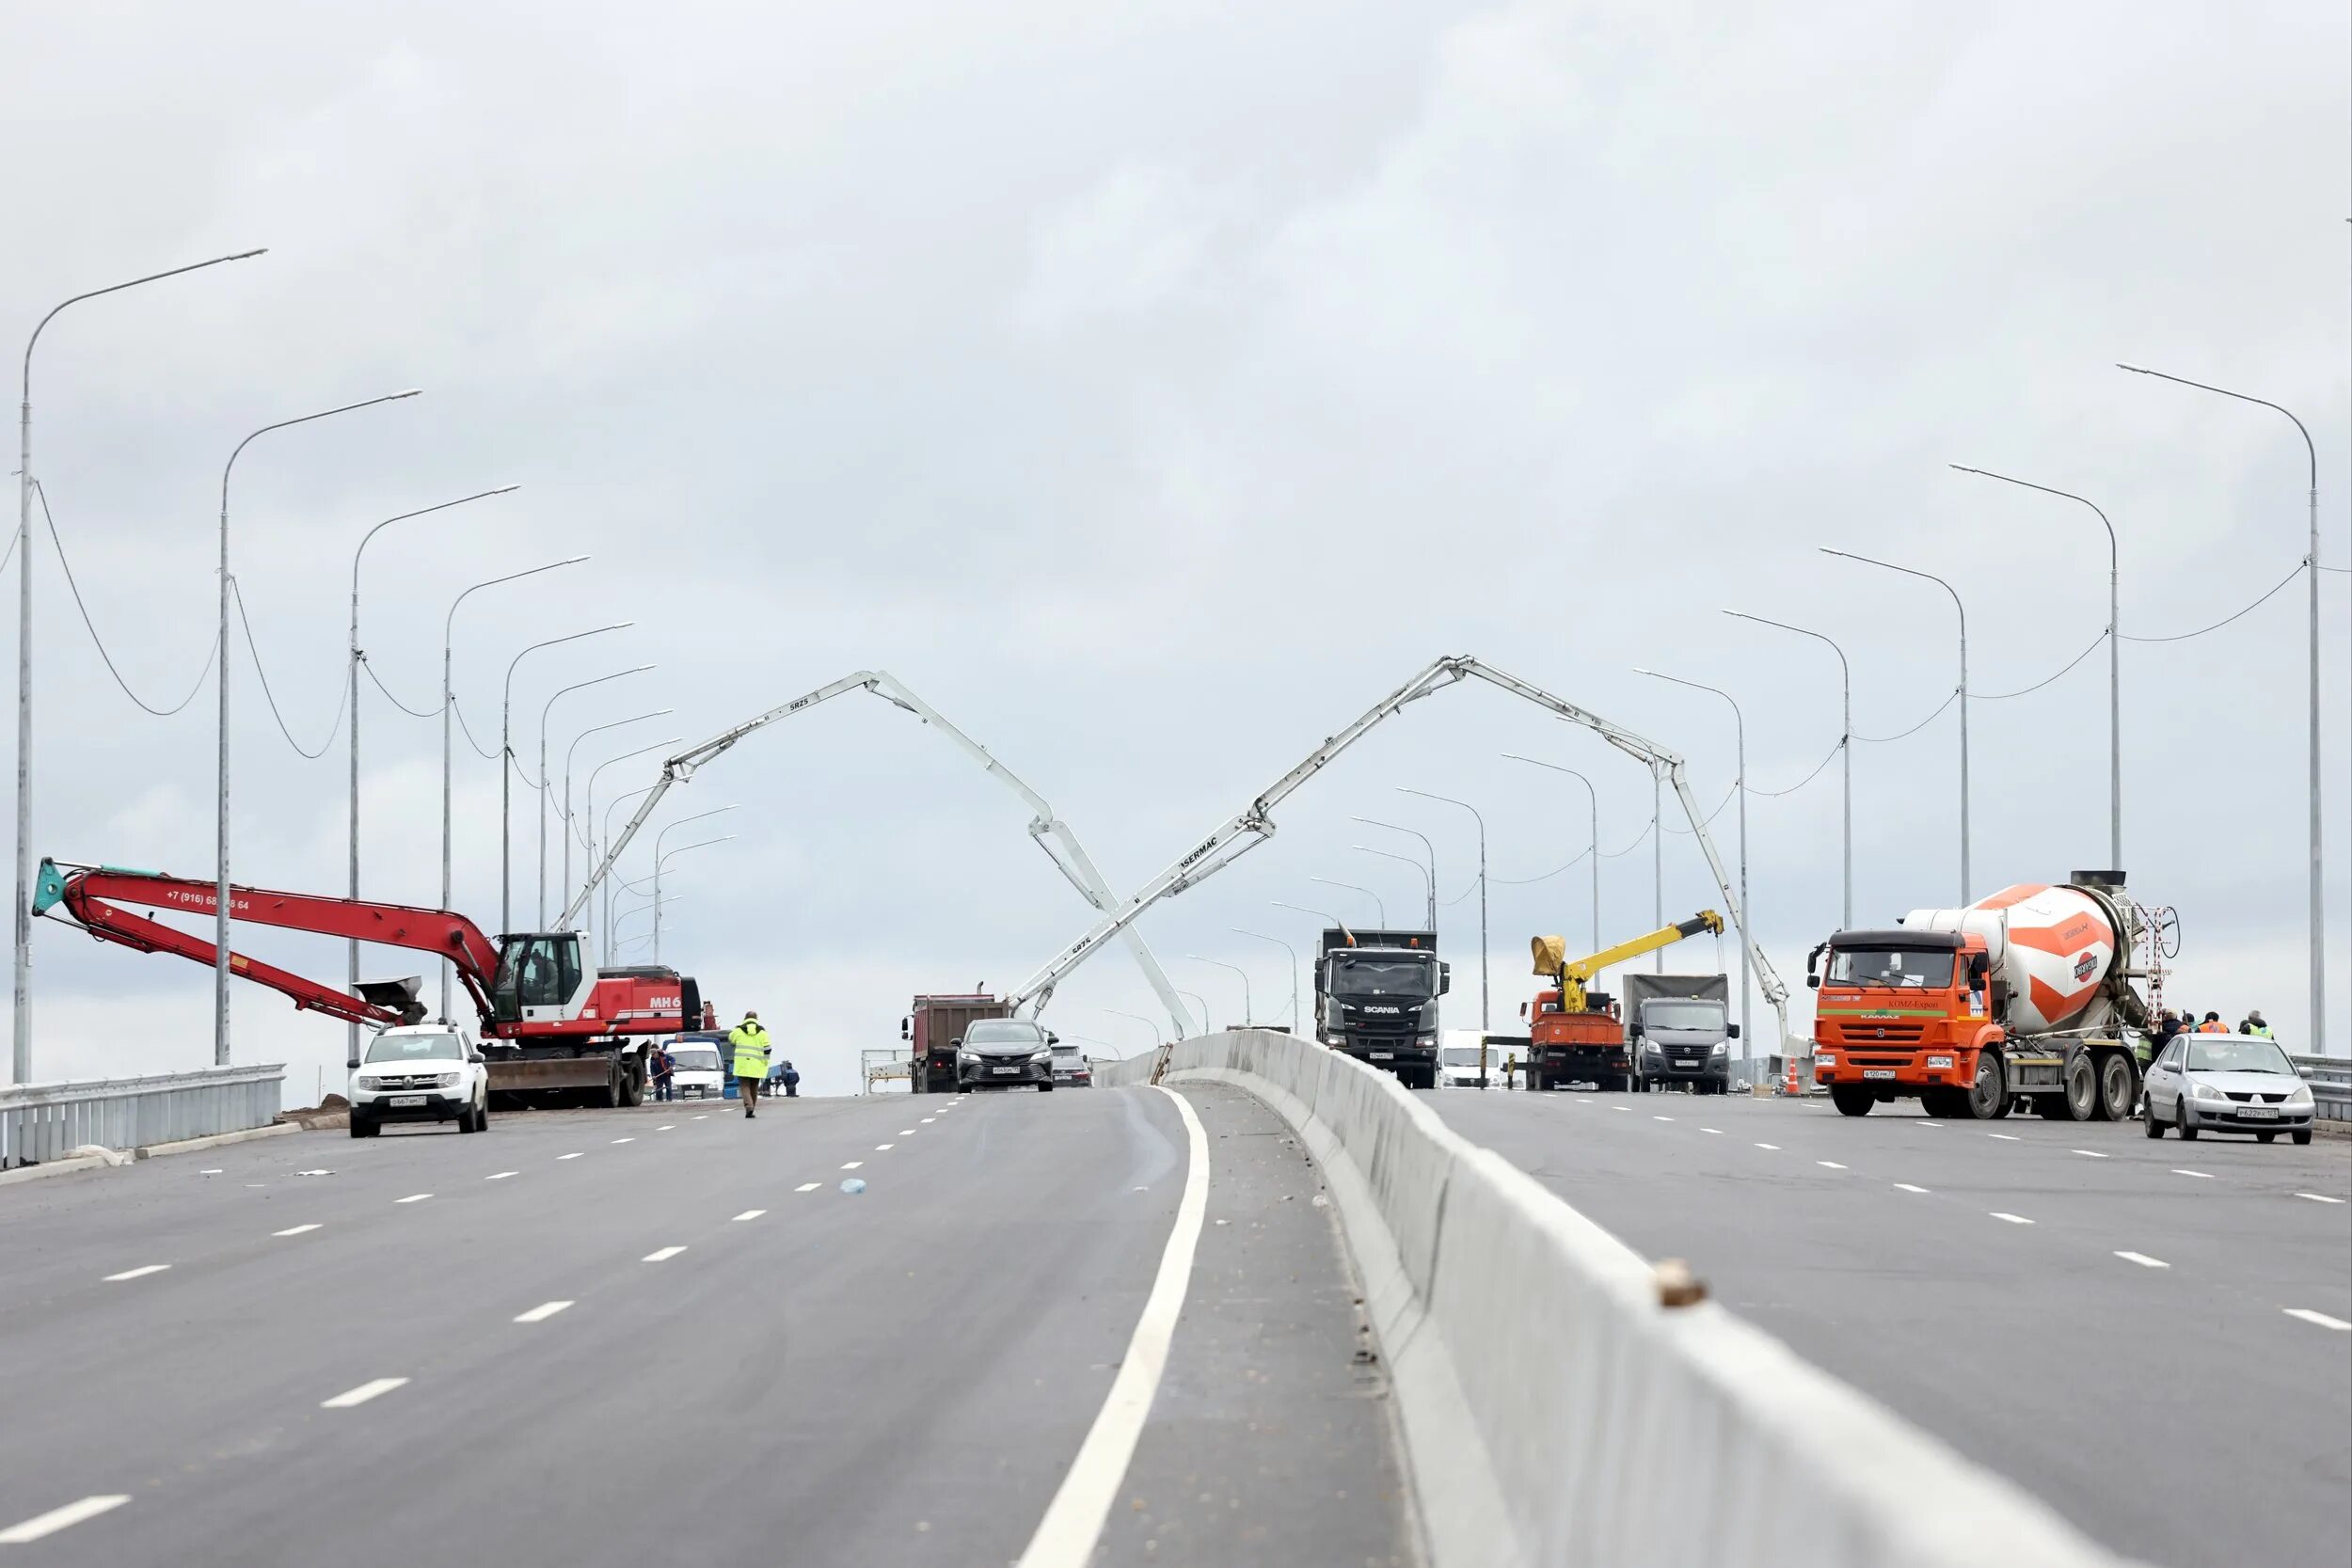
(90, 627)
(2003, 696)
(413, 713)
(479, 749)
(342, 688)
(1882, 739)
(1729, 796)
(2201, 631)
(1773, 794)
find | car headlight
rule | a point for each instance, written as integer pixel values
(449, 1080)
(1823, 1058)
(1944, 1062)
(2200, 1089)
(1045, 1056)
(2302, 1095)
(1723, 1048)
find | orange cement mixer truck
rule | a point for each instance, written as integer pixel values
(2023, 998)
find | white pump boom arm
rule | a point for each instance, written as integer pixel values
(1051, 833)
(1254, 825)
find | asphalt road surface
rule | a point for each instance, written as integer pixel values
(2149, 1336)
(666, 1335)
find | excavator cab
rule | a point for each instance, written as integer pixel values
(540, 976)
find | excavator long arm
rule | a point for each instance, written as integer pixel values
(1051, 833)
(1252, 826)
(1573, 977)
(92, 897)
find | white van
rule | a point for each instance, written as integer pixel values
(696, 1070)
(1457, 1060)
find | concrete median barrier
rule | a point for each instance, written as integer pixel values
(1599, 1428)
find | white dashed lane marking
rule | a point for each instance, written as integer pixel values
(141, 1272)
(749, 1214)
(2322, 1318)
(413, 1197)
(808, 1186)
(574, 1155)
(1931, 1126)
(2143, 1261)
(1717, 1130)
(906, 1132)
(1661, 1118)
(294, 1230)
(928, 1121)
(884, 1148)
(542, 1312)
(2319, 1197)
(2013, 1219)
(360, 1395)
(667, 1127)
(2200, 1175)
(1829, 1165)
(851, 1165)
(662, 1255)
(1907, 1187)
(2004, 1138)
(500, 1174)
(624, 1140)
(39, 1525)
(2087, 1153)
(1774, 1148)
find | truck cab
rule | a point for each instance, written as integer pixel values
(1904, 1015)
(1376, 999)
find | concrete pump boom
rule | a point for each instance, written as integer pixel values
(1052, 833)
(1254, 825)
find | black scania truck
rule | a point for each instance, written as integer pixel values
(1376, 999)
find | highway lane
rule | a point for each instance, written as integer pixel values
(724, 1355)
(1969, 1275)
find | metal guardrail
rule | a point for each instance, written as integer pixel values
(40, 1122)
(2330, 1078)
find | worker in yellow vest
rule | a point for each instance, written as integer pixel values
(751, 1060)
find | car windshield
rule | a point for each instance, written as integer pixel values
(2228, 1053)
(1380, 977)
(1903, 968)
(694, 1058)
(1461, 1055)
(1003, 1031)
(1683, 1015)
(416, 1048)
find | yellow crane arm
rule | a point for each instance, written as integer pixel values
(1551, 954)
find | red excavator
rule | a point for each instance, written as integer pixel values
(550, 1020)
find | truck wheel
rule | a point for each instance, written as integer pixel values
(2118, 1086)
(613, 1094)
(1851, 1100)
(1987, 1099)
(2080, 1100)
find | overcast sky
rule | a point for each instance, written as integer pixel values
(1153, 389)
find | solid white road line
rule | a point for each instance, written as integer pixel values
(294, 1230)
(2013, 1219)
(501, 1176)
(751, 1214)
(2319, 1197)
(56, 1519)
(1774, 1148)
(808, 1186)
(542, 1312)
(2322, 1318)
(2087, 1153)
(360, 1395)
(1907, 1187)
(1829, 1165)
(138, 1273)
(2143, 1261)
(574, 1155)
(662, 1255)
(413, 1197)
(2004, 1138)
(1072, 1525)
(851, 1165)
(2200, 1175)
(882, 1148)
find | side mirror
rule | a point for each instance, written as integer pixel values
(906, 1028)
(1812, 982)
(1980, 966)
(956, 1044)
(1732, 1030)
(1052, 1038)
(1522, 1010)
(1445, 979)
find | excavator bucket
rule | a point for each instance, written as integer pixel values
(1551, 954)
(396, 996)
(48, 888)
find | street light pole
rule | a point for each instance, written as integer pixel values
(2318, 915)
(1844, 743)
(1963, 611)
(21, 1063)
(1158, 1037)
(449, 704)
(660, 861)
(1658, 860)
(1207, 1026)
(1248, 1008)
(572, 751)
(1380, 911)
(351, 704)
(1293, 966)
(1593, 799)
(2115, 662)
(220, 889)
(506, 772)
(1740, 788)
(1431, 849)
(618, 802)
(1428, 876)
(1484, 1023)
(544, 712)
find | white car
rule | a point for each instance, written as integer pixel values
(1458, 1066)
(2228, 1084)
(421, 1072)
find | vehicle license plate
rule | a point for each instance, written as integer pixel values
(1005, 1070)
(400, 1099)
(1686, 1061)
(1878, 1073)
(1384, 1055)
(2258, 1113)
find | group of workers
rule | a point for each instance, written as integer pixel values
(753, 1064)
(2186, 1022)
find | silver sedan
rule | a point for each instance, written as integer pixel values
(2228, 1084)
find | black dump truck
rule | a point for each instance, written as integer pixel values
(1376, 999)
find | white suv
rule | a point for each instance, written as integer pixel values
(421, 1072)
